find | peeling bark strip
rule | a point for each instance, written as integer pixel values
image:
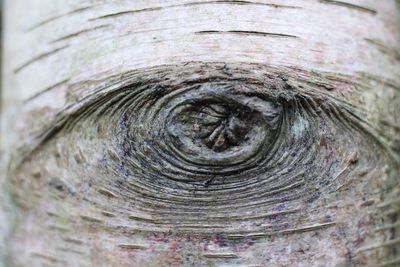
(39, 57)
(225, 2)
(350, 6)
(250, 33)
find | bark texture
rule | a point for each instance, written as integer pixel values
(201, 133)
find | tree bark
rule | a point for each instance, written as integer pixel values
(109, 162)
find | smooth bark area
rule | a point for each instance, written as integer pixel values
(200, 133)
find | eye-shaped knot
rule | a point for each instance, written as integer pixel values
(219, 127)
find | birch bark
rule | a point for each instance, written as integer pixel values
(58, 52)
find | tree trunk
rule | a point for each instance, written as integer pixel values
(200, 133)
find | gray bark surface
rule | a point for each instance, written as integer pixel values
(200, 133)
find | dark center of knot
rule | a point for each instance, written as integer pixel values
(218, 126)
